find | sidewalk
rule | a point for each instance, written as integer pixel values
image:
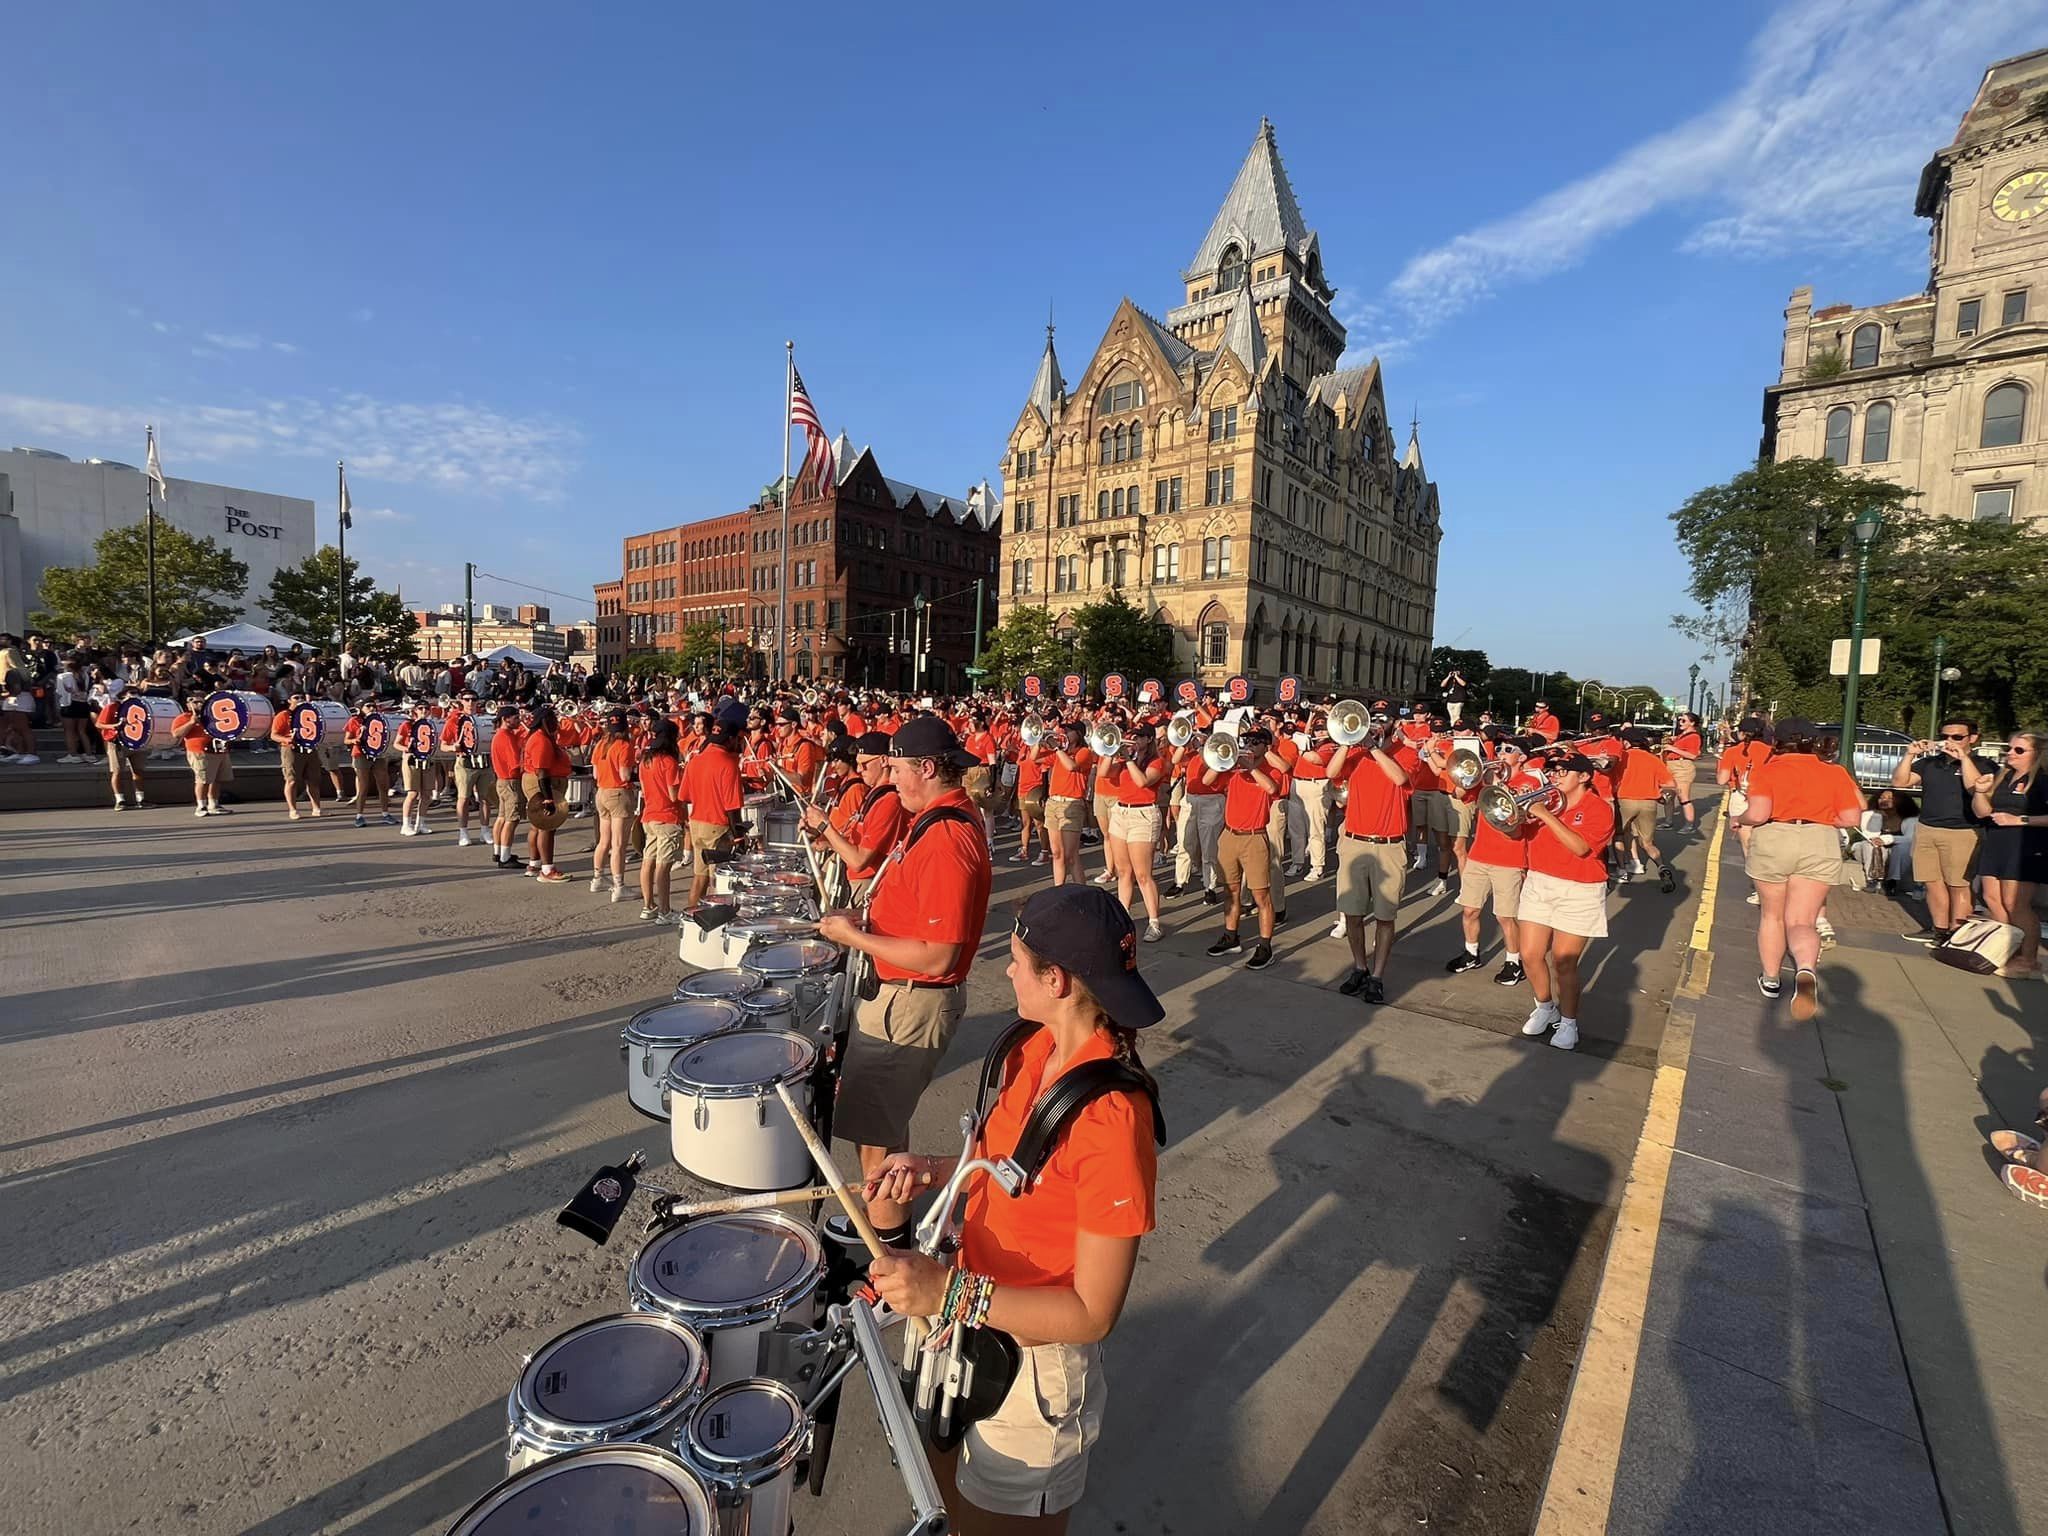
(1843, 1328)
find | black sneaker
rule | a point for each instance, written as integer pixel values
(1225, 943)
(1928, 936)
(1169, 891)
(1770, 986)
(1666, 881)
(1510, 974)
(1374, 991)
(1351, 984)
(1464, 960)
(1211, 897)
(1260, 957)
(1280, 917)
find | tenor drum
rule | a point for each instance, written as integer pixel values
(755, 810)
(229, 715)
(721, 986)
(775, 903)
(143, 722)
(730, 1279)
(581, 794)
(319, 723)
(804, 965)
(744, 1441)
(631, 1376)
(749, 933)
(653, 1037)
(726, 1123)
(782, 827)
(623, 1490)
(768, 1008)
(697, 945)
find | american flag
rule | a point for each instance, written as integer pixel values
(817, 448)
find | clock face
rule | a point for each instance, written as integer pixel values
(2022, 198)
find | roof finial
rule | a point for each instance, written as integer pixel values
(1415, 421)
(1048, 322)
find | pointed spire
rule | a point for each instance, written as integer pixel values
(1048, 389)
(843, 456)
(1412, 458)
(1259, 212)
(1242, 335)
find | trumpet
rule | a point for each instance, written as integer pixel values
(1105, 739)
(1507, 811)
(1181, 729)
(1032, 731)
(1349, 722)
(1467, 768)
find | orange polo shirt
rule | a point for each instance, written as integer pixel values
(936, 890)
(1064, 783)
(1492, 846)
(1801, 787)
(1593, 819)
(1377, 806)
(711, 784)
(1643, 775)
(612, 761)
(660, 780)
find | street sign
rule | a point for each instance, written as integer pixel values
(975, 671)
(1838, 658)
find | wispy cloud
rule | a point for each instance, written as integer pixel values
(381, 514)
(1840, 104)
(285, 347)
(452, 445)
(233, 341)
(161, 328)
(363, 316)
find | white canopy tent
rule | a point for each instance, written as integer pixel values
(525, 658)
(242, 637)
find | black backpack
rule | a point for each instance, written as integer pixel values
(1059, 1104)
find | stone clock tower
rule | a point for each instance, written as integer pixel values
(1945, 391)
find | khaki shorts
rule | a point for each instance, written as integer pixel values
(1563, 906)
(208, 767)
(891, 1054)
(1246, 858)
(1430, 811)
(419, 776)
(664, 841)
(1496, 882)
(1065, 815)
(1105, 807)
(1682, 775)
(296, 766)
(1030, 1457)
(1639, 817)
(1784, 850)
(481, 778)
(1369, 878)
(1466, 814)
(1943, 855)
(706, 837)
(615, 802)
(335, 759)
(511, 801)
(1135, 823)
(1031, 804)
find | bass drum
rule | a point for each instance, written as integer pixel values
(731, 1279)
(631, 1376)
(319, 723)
(142, 722)
(639, 1490)
(229, 715)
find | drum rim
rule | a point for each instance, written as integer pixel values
(752, 1003)
(737, 1314)
(750, 985)
(686, 1087)
(654, 1458)
(633, 1034)
(527, 1421)
(821, 967)
(745, 1471)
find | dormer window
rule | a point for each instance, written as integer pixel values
(1230, 274)
(1863, 346)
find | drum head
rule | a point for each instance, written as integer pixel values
(768, 1000)
(797, 957)
(622, 1490)
(722, 986)
(726, 1265)
(687, 1018)
(745, 1427)
(745, 1060)
(617, 1374)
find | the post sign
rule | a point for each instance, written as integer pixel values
(1114, 686)
(1838, 658)
(1073, 685)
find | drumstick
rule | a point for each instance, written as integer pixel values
(822, 1156)
(727, 1204)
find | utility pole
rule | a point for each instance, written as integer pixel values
(469, 608)
(977, 628)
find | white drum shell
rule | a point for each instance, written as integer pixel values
(768, 1007)
(806, 970)
(333, 718)
(696, 946)
(161, 712)
(532, 1437)
(256, 714)
(746, 934)
(498, 1513)
(739, 1135)
(753, 1497)
(651, 1047)
(732, 1333)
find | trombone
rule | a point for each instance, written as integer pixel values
(1507, 811)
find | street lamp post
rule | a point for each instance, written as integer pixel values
(1869, 523)
(1941, 675)
(1692, 692)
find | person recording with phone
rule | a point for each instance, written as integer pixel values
(1945, 847)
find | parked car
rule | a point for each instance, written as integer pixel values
(1878, 752)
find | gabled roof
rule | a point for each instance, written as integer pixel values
(844, 457)
(1241, 333)
(935, 502)
(1177, 351)
(1342, 383)
(1259, 212)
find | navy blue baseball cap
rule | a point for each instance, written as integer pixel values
(929, 736)
(1085, 930)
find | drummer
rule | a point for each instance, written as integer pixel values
(1058, 1261)
(297, 760)
(711, 788)
(877, 826)
(472, 768)
(924, 921)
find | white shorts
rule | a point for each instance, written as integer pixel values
(19, 703)
(1564, 906)
(1030, 1457)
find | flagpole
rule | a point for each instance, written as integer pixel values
(341, 557)
(149, 498)
(782, 573)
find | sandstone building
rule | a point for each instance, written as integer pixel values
(1943, 391)
(1225, 475)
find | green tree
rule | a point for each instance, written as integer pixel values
(1023, 642)
(650, 664)
(1473, 664)
(301, 603)
(700, 646)
(1115, 637)
(199, 586)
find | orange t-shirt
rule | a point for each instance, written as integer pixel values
(1100, 1177)
(540, 756)
(660, 780)
(1593, 819)
(1245, 804)
(1545, 725)
(188, 729)
(1742, 758)
(1643, 774)
(1801, 787)
(508, 745)
(1314, 763)
(711, 784)
(1064, 783)
(1378, 807)
(1492, 846)
(1030, 770)
(1123, 781)
(612, 761)
(853, 795)
(937, 890)
(1686, 746)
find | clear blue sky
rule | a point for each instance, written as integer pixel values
(530, 269)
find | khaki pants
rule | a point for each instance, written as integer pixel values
(898, 1038)
(1313, 796)
(1201, 823)
(1276, 844)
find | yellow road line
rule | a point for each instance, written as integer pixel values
(1580, 1489)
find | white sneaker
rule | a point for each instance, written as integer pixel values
(1337, 929)
(408, 830)
(1541, 1019)
(462, 841)
(1421, 860)
(1438, 887)
(1753, 899)
(618, 893)
(425, 830)
(199, 810)
(1567, 1036)
(70, 757)
(1154, 933)
(596, 884)
(26, 759)
(1107, 877)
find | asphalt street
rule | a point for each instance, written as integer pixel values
(286, 1110)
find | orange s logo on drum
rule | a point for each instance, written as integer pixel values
(422, 734)
(306, 724)
(226, 717)
(374, 730)
(466, 734)
(134, 724)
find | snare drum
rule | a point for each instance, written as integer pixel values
(755, 811)
(782, 827)
(805, 966)
(631, 1376)
(744, 1441)
(726, 1124)
(637, 1490)
(730, 1279)
(719, 986)
(654, 1035)
(581, 793)
(767, 1007)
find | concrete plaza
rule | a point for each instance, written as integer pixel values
(286, 1110)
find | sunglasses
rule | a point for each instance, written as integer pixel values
(1955, 736)
(2017, 751)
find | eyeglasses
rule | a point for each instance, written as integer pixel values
(1955, 735)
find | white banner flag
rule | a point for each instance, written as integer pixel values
(154, 471)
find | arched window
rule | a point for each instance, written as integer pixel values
(1131, 502)
(1838, 434)
(2005, 417)
(1877, 433)
(1863, 346)
(1315, 644)
(1105, 445)
(1137, 439)
(1230, 274)
(1101, 505)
